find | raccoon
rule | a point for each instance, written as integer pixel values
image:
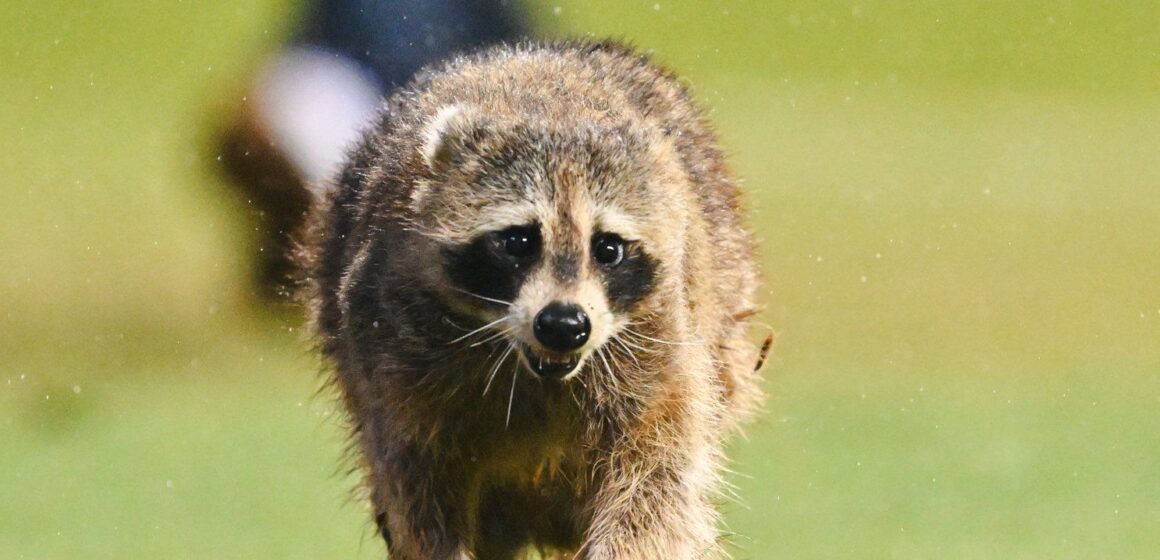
(533, 281)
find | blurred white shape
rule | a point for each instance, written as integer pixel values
(315, 103)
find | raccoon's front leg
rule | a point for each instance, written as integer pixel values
(655, 503)
(422, 507)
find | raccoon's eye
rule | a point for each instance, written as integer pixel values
(608, 249)
(520, 242)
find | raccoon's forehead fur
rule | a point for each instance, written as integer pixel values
(485, 174)
(514, 150)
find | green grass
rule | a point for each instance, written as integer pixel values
(958, 210)
(177, 461)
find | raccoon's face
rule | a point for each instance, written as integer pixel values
(553, 240)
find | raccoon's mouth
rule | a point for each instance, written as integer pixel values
(549, 365)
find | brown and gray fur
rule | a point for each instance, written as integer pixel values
(467, 452)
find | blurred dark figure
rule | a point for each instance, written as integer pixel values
(306, 105)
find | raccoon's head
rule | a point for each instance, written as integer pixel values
(555, 239)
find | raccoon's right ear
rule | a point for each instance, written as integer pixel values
(447, 135)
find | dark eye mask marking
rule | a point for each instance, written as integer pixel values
(485, 267)
(631, 279)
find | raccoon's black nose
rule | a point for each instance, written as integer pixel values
(562, 327)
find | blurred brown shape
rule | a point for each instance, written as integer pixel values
(272, 188)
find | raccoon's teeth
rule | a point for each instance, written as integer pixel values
(550, 366)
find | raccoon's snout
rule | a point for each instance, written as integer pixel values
(562, 327)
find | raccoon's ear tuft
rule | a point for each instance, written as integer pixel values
(447, 134)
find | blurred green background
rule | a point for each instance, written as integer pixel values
(959, 210)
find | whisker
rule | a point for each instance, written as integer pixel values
(491, 354)
(491, 337)
(627, 350)
(600, 354)
(484, 298)
(630, 344)
(512, 396)
(656, 340)
(480, 329)
(608, 370)
(494, 370)
(616, 361)
(447, 321)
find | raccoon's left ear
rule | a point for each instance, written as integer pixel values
(448, 133)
